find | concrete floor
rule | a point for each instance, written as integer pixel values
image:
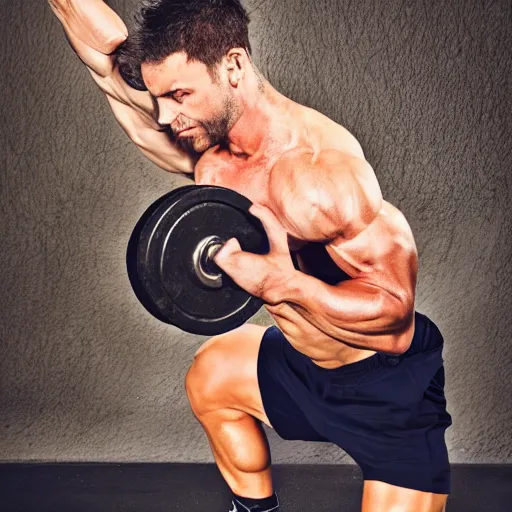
(200, 488)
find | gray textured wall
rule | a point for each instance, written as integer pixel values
(86, 374)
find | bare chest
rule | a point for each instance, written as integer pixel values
(249, 178)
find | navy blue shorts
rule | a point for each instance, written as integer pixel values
(386, 412)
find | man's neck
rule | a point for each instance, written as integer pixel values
(265, 125)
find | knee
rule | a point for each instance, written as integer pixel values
(203, 380)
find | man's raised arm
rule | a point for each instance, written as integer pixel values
(95, 31)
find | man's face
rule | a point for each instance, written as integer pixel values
(199, 111)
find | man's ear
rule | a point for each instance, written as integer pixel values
(236, 60)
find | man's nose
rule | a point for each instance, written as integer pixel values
(166, 114)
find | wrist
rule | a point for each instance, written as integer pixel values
(288, 289)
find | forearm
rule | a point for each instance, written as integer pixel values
(354, 312)
(91, 24)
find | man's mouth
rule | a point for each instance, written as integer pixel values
(185, 130)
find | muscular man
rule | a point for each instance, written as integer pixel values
(350, 361)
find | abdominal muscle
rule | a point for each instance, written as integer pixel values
(322, 349)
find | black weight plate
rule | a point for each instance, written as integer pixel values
(133, 247)
(165, 263)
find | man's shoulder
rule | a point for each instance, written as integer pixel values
(324, 133)
(307, 163)
(325, 193)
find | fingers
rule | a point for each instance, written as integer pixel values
(226, 252)
(277, 235)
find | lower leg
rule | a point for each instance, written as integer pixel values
(223, 390)
(241, 451)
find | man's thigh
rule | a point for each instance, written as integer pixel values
(224, 372)
(382, 497)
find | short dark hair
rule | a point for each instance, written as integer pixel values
(203, 29)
